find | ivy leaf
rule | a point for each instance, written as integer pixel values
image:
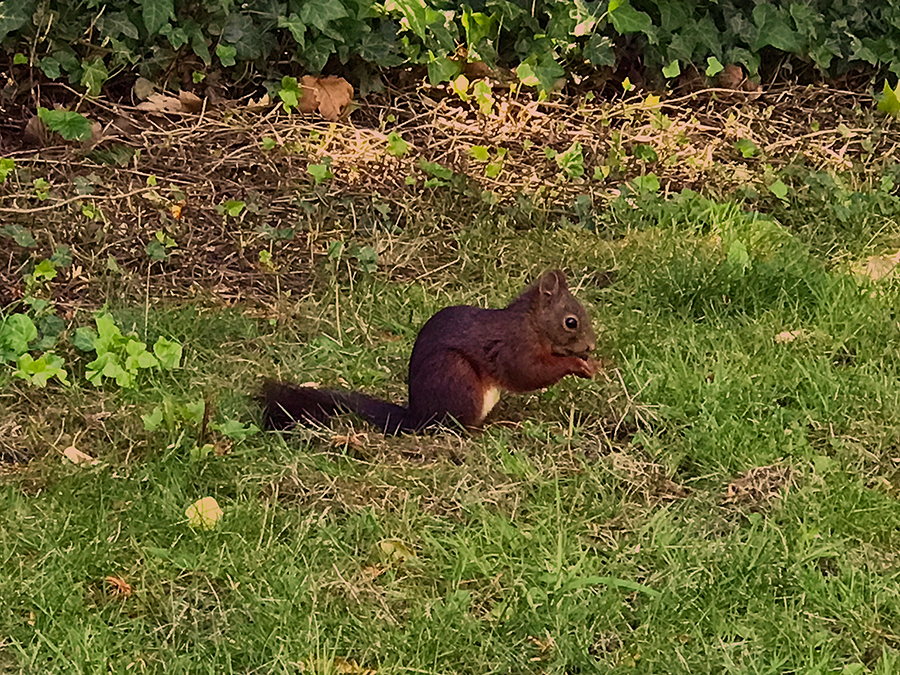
(71, 125)
(541, 72)
(779, 189)
(571, 162)
(890, 101)
(713, 66)
(7, 164)
(198, 40)
(599, 51)
(479, 153)
(84, 339)
(646, 183)
(21, 235)
(320, 13)
(62, 256)
(50, 67)
(436, 170)
(626, 19)
(168, 352)
(645, 152)
(15, 334)
(397, 147)
(747, 147)
(234, 207)
(289, 93)
(13, 15)
(235, 430)
(295, 26)
(774, 29)
(93, 76)
(156, 14)
(226, 54)
(672, 70)
(316, 54)
(115, 24)
(415, 17)
(442, 69)
(320, 172)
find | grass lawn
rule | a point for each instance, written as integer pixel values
(724, 500)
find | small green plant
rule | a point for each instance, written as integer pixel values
(440, 175)
(396, 147)
(321, 172)
(7, 165)
(158, 248)
(571, 162)
(290, 93)
(72, 126)
(19, 335)
(122, 357)
(41, 189)
(233, 208)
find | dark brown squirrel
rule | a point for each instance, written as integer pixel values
(462, 359)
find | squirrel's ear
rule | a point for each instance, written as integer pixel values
(552, 282)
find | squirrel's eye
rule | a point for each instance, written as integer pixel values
(571, 322)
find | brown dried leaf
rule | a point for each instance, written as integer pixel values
(263, 102)
(190, 102)
(143, 88)
(788, 336)
(36, 133)
(310, 99)
(731, 76)
(333, 94)
(759, 487)
(878, 267)
(119, 586)
(76, 456)
(161, 103)
(351, 440)
(336, 665)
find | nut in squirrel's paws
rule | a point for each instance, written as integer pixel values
(589, 367)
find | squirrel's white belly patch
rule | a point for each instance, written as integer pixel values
(488, 400)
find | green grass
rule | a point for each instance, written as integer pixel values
(586, 530)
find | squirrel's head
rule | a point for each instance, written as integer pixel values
(562, 319)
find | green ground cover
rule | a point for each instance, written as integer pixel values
(723, 500)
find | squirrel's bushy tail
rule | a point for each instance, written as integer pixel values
(285, 405)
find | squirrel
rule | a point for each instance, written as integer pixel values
(462, 359)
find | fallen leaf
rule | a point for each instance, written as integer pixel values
(204, 513)
(161, 103)
(36, 133)
(190, 102)
(76, 456)
(143, 88)
(310, 99)
(352, 440)
(263, 102)
(372, 572)
(877, 267)
(788, 336)
(731, 76)
(176, 209)
(396, 549)
(119, 586)
(329, 95)
(335, 665)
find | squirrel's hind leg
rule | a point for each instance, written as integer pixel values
(449, 390)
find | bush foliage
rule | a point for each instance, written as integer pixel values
(89, 41)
